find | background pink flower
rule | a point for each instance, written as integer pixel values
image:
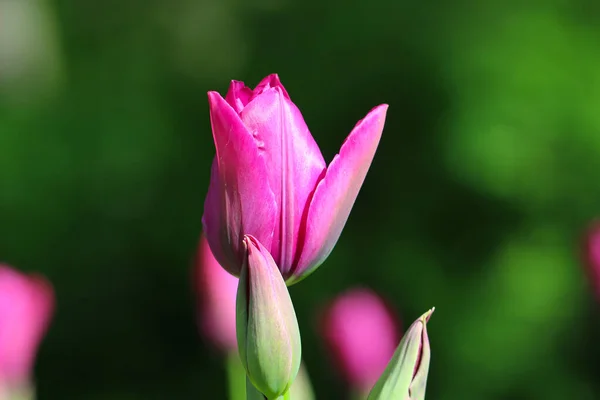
(216, 290)
(361, 333)
(592, 256)
(26, 307)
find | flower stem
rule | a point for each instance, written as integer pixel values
(286, 396)
(236, 377)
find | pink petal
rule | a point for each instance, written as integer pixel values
(238, 95)
(295, 164)
(26, 306)
(240, 201)
(336, 193)
(271, 81)
(212, 221)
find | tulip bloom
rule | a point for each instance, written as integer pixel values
(267, 328)
(361, 333)
(269, 179)
(216, 290)
(26, 306)
(592, 257)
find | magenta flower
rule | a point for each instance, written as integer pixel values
(592, 256)
(361, 333)
(216, 290)
(26, 306)
(269, 179)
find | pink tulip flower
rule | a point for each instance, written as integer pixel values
(592, 257)
(269, 179)
(216, 289)
(361, 333)
(26, 307)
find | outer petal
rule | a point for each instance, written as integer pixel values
(294, 161)
(243, 202)
(336, 193)
(214, 220)
(238, 95)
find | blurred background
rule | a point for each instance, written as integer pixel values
(486, 177)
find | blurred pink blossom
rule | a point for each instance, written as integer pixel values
(592, 256)
(26, 307)
(361, 333)
(216, 290)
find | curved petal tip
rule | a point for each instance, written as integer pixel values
(335, 194)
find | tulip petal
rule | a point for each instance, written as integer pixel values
(238, 95)
(271, 81)
(418, 385)
(213, 219)
(295, 164)
(336, 192)
(240, 200)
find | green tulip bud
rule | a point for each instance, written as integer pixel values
(267, 329)
(405, 376)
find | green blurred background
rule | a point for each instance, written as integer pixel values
(486, 175)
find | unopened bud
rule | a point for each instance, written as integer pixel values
(405, 377)
(267, 329)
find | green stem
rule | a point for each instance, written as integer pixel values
(236, 377)
(286, 396)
